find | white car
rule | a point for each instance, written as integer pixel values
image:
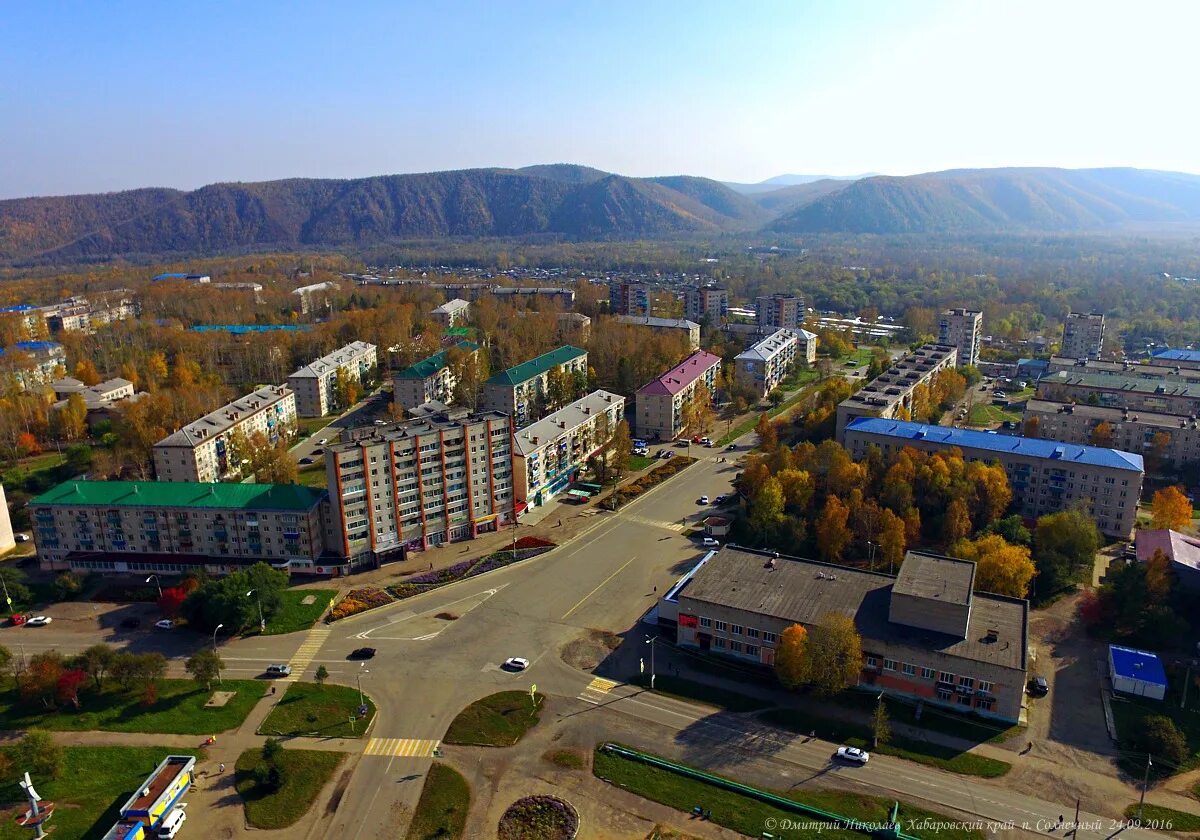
(39, 621)
(165, 624)
(709, 542)
(703, 500)
(515, 663)
(322, 441)
(853, 754)
(169, 827)
(279, 670)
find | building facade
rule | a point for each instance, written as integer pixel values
(407, 486)
(669, 326)
(1189, 359)
(574, 327)
(925, 634)
(626, 298)
(520, 391)
(452, 313)
(33, 363)
(1169, 395)
(891, 393)
(1129, 369)
(778, 311)
(765, 364)
(1045, 476)
(548, 455)
(1171, 439)
(150, 526)
(430, 379)
(701, 302)
(962, 328)
(1083, 335)
(659, 409)
(314, 383)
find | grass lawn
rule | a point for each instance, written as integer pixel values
(722, 698)
(178, 711)
(312, 475)
(1165, 819)
(311, 709)
(306, 426)
(985, 414)
(498, 720)
(640, 462)
(775, 411)
(747, 815)
(305, 773)
(90, 789)
(441, 813)
(292, 615)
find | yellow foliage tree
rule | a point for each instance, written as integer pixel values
(1170, 508)
(1000, 566)
(833, 535)
(835, 654)
(893, 538)
(957, 523)
(791, 657)
(85, 372)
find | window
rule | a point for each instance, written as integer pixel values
(909, 670)
(735, 647)
(985, 704)
(718, 642)
(964, 700)
(966, 682)
(735, 629)
(752, 650)
(944, 693)
(705, 622)
(751, 633)
(722, 626)
(946, 677)
(985, 685)
(872, 662)
(769, 638)
(927, 673)
(889, 664)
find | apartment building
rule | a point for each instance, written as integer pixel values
(1168, 395)
(520, 391)
(33, 363)
(701, 302)
(625, 298)
(406, 486)
(1046, 476)
(885, 395)
(1083, 335)
(1128, 368)
(430, 379)
(574, 327)
(452, 313)
(206, 450)
(962, 328)
(1189, 359)
(659, 404)
(173, 527)
(80, 315)
(316, 297)
(548, 455)
(1173, 438)
(926, 635)
(764, 364)
(555, 294)
(777, 311)
(669, 326)
(314, 383)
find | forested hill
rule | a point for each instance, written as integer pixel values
(1001, 201)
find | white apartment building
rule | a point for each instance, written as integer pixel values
(429, 379)
(671, 326)
(452, 313)
(764, 364)
(962, 328)
(548, 455)
(205, 450)
(891, 393)
(1083, 335)
(660, 404)
(314, 383)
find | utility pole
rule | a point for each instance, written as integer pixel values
(1145, 784)
(871, 546)
(650, 641)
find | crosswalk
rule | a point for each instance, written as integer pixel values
(308, 651)
(597, 690)
(402, 747)
(676, 526)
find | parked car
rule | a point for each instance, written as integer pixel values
(669, 455)
(131, 623)
(168, 829)
(38, 621)
(719, 500)
(165, 624)
(19, 537)
(696, 439)
(706, 441)
(709, 542)
(662, 453)
(703, 500)
(852, 754)
(362, 653)
(681, 444)
(731, 447)
(515, 663)
(1039, 687)
(322, 441)
(17, 619)
(279, 670)
(306, 460)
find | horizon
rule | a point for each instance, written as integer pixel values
(145, 95)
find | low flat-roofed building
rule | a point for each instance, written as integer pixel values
(314, 383)
(162, 789)
(660, 404)
(1177, 358)
(670, 326)
(1045, 476)
(1183, 550)
(925, 634)
(1173, 438)
(1136, 672)
(1130, 369)
(890, 392)
(1169, 395)
(429, 379)
(548, 455)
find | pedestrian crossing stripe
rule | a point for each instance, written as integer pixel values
(402, 747)
(308, 651)
(678, 527)
(601, 685)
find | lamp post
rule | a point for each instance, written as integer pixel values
(157, 581)
(650, 641)
(215, 629)
(262, 625)
(1145, 784)
(362, 669)
(4, 583)
(871, 546)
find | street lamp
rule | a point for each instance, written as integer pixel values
(650, 641)
(157, 581)
(1145, 784)
(871, 546)
(262, 625)
(215, 629)
(362, 669)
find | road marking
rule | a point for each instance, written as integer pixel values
(308, 651)
(676, 527)
(599, 586)
(402, 747)
(601, 685)
(480, 597)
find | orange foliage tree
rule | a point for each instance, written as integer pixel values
(1171, 508)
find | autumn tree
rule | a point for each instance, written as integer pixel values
(835, 654)
(39, 754)
(768, 438)
(67, 688)
(558, 388)
(797, 487)
(1065, 545)
(1156, 457)
(468, 369)
(833, 534)
(204, 665)
(1032, 427)
(766, 511)
(346, 389)
(69, 422)
(1171, 508)
(85, 372)
(1102, 435)
(96, 661)
(881, 727)
(892, 539)
(698, 411)
(39, 680)
(791, 657)
(620, 449)
(1000, 567)
(956, 524)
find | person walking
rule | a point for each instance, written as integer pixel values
(221, 767)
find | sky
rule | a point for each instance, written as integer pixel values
(107, 96)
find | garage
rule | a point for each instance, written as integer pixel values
(1136, 672)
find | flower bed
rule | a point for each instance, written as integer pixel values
(359, 600)
(651, 479)
(539, 818)
(534, 542)
(469, 568)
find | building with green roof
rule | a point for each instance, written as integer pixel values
(520, 391)
(429, 379)
(173, 527)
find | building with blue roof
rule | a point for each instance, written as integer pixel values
(20, 307)
(243, 329)
(1045, 476)
(1177, 358)
(1136, 672)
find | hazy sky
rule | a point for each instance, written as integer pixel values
(110, 95)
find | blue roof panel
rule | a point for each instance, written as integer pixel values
(1137, 665)
(1010, 444)
(1178, 355)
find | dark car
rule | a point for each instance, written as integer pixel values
(306, 460)
(362, 653)
(1039, 687)
(131, 623)
(731, 447)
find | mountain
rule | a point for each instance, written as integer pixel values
(1002, 201)
(785, 199)
(790, 181)
(313, 213)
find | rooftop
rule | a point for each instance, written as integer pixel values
(767, 348)
(1136, 370)
(1112, 414)
(1068, 453)
(1137, 665)
(1179, 548)
(226, 417)
(148, 794)
(553, 426)
(934, 577)
(430, 366)
(1167, 386)
(183, 494)
(430, 422)
(332, 361)
(1178, 355)
(456, 305)
(537, 366)
(240, 329)
(682, 375)
(793, 589)
(315, 287)
(651, 321)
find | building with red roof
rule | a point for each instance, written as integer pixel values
(660, 403)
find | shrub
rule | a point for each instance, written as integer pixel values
(1160, 737)
(359, 600)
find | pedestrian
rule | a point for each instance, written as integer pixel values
(431, 565)
(221, 767)
(272, 689)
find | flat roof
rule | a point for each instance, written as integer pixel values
(1111, 413)
(682, 375)
(800, 590)
(182, 494)
(429, 366)
(553, 426)
(453, 306)
(1068, 453)
(453, 418)
(1177, 355)
(651, 321)
(767, 348)
(226, 417)
(537, 365)
(934, 577)
(1135, 664)
(1179, 548)
(1167, 386)
(334, 360)
(148, 794)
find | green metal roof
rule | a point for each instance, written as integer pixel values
(536, 367)
(428, 367)
(184, 494)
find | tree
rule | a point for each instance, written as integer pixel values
(768, 439)
(39, 755)
(766, 510)
(322, 675)
(70, 421)
(224, 601)
(881, 727)
(468, 369)
(1160, 442)
(67, 585)
(620, 449)
(271, 750)
(1013, 529)
(1064, 549)
(1033, 426)
(96, 661)
(1171, 508)
(1000, 567)
(346, 389)
(791, 657)
(776, 396)
(6, 667)
(269, 462)
(833, 535)
(67, 688)
(558, 388)
(797, 487)
(1102, 435)
(85, 372)
(957, 522)
(1162, 739)
(835, 654)
(204, 665)
(892, 539)
(39, 680)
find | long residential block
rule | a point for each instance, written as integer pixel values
(430, 379)
(1045, 476)
(892, 391)
(766, 362)
(520, 391)
(1172, 437)
(314, 384)
(1168, 395)
(668, 326)
(660, 404)
(548, 455)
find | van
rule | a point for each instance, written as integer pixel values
(171, 825)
